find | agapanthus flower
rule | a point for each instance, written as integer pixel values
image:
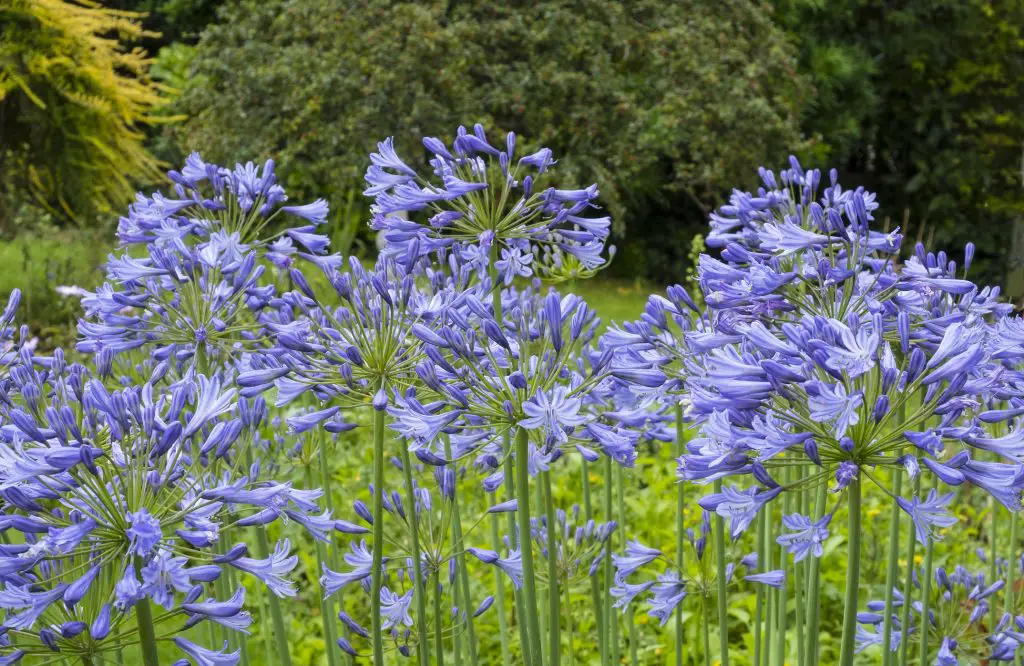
(671, 587)
(531, 370)
(805, 538)
(820, 347)
(963, 626)
(481, 201)
(120, 499)
(825, 358)
(352, 353)
(199, 287)
(929, 513)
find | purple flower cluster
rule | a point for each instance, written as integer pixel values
(116, 499)
(199, 287)
(486, 205)
(439, 561)
(962, 623)
(669, 589)
(820, 346)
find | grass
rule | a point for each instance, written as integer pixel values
(40, 261)
(615, 300)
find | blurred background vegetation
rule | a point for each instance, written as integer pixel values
(666, 105)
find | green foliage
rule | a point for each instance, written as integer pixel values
(172, 65)
(42, 258)
(922, 101)
(72, 99)
(665, 105)
(175, 20)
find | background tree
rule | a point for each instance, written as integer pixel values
(72, 100)
(922, 100)
(663, 104)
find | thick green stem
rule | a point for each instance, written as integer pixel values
(554, 596)
(681, 531)
(457, 635)
(908, 585)
(623, 529)
(852, 574)
(423, 651)
(769, 594)
(798, 578)
(326, 486)
(706, 628)
(378, 537)
(813, 585)
(723, 612)
(460, 559)
(993, 560)
(506, 440)
(542, 600)
(892, 568)
(510, 485)
(569, 625)
(438, 620)
(760, 594)
(326, 608)
(268, 631)
(595, 586)
(781, 616)
(526, 545)
(798, 595)
(612, 624)
(147, 636)
(1011, 574)
(926, 598)
(499, 589)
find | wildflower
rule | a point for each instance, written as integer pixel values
(554, 413)
(205, 657)
(806, 537)
(147, 533)
(738, 506)
(928, 514)
(522, 218)
(668, 592)
(198, 289)
(775, 579)
(636, 556)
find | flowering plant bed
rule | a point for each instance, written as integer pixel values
(274, 454)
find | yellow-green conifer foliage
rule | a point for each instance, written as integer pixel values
(73, 97)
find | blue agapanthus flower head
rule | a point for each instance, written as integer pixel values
(355, 352)
(489, 205)
(821, 345)
(961, 616)
(671, 587)
(199, 286)
(116, 498)
(531, 369)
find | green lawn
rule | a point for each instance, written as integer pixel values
(616, 300)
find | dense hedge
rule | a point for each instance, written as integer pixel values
(662, 104)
